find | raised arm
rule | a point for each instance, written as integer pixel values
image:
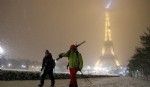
(61, 55)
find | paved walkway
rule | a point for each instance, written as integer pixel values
(96, 82)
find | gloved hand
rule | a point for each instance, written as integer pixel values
(57, 59)
(67, 65)
(78, 69)
(60, 56)
(41, 69)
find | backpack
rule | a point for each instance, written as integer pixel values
(53, 63)
(50, 62)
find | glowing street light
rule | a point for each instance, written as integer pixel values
(9, 65)
(23, 66)
(1, 50)
(2, 66)
(1, 54)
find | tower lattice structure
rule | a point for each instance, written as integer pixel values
(108, 57)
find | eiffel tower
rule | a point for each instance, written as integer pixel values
(108, 59)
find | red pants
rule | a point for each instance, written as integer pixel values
(73, 81)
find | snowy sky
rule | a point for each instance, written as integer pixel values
(28, 27)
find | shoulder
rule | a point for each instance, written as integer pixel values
(78, 52)
(44, 58)
(80, 55)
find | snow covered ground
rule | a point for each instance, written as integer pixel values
(96, 82)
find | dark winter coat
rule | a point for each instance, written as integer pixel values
(48, 62)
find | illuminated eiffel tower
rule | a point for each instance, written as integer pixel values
(108, 58)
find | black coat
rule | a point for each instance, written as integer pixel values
(48, 62)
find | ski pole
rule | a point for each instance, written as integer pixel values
(85, 78)
(42, 71)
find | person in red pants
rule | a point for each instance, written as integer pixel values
(75, 63)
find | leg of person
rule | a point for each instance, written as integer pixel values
(73, 81)
(51, 76)
(42, 79)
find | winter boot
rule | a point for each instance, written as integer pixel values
(52, 86)
(73, 86)
(76, 86)
(40, 85)
(70, 85)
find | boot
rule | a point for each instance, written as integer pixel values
(52, 86)
(70, 85)
(40, 85)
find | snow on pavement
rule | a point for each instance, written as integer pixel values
(96, 82)
(119, 82)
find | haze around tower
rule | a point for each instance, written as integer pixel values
(28, 27)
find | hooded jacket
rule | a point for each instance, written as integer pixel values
(75, 59)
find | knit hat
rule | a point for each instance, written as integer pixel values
(73, 47)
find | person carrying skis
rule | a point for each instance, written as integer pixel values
(75, 63)
(48, 65)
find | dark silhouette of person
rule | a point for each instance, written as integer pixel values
(48, 65)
